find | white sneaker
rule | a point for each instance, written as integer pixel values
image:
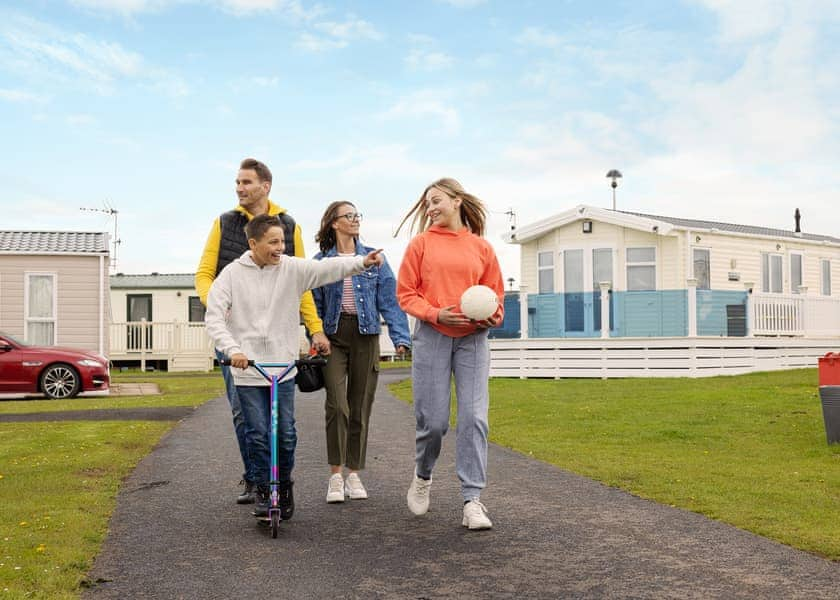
(353, 487)
(335, 491)
(475, 516)
(418, 495)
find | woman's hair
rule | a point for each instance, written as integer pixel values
(257, 227)
(326, 234)
(473, 213)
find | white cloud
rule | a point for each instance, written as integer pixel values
(428, 60)
(80, 120)
(290, 9)
(123, 7)
(351, 29)
(21, 96)
(424, 105)
(44, 53)
(314, 43)
(539, 37)
(463, 3)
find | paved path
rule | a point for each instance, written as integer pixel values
(177, 533)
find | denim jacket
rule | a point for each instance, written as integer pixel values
(375, 294)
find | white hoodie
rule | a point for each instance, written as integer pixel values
(256, 310)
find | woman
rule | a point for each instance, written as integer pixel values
(350, 310)
(446, 342)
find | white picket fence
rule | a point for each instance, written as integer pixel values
(652, 357)
(184, 346)
(794, 315)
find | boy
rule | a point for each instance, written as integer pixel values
(252, 314)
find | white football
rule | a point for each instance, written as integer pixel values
(479, 302)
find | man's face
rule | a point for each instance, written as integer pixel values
(268, 250)
(251, 191)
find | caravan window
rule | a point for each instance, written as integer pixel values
(702, 271)
(641, 269)
(771, 273)
(545, 270)
(825, 277)
(40, 314)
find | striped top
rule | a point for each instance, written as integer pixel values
(348, 297)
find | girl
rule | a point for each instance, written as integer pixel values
(350, 310)
(447, 257)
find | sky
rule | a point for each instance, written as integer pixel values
(723, 110)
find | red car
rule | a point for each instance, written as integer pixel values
(49, 370)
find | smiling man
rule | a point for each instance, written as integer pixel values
(226, 243)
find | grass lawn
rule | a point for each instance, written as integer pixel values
(59, 480)
(748, 450)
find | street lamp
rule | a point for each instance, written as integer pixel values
(615, 175)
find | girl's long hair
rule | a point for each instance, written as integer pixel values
(473, 212)
(326, 234)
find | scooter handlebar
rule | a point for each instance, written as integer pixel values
(313, 360)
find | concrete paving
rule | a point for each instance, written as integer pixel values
(177, 533)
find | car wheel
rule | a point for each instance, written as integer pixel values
(60, 381)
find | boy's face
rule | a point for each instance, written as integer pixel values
(269, 249)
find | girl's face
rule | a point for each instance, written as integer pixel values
(442, 209)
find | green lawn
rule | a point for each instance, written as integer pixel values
(747, 450)
(59, 480)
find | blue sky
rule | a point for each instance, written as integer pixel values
(712, 109)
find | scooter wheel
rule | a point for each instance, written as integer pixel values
(275, 524)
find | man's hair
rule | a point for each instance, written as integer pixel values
(259, 225)
(262, 171)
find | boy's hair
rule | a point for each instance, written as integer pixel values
(473, 213)
(262, 171)
(257, 227)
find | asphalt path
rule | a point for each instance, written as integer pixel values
(177, 532)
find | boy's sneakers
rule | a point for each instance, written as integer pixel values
(335, 491)
(262, 502)
(418, 495)
(353, 487)
(249, 494)
(475, 516)
(286, 500)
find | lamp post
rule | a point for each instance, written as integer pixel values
(615, 175)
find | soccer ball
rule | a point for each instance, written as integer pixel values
(479, 302)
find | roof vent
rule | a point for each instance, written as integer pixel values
(796, 217)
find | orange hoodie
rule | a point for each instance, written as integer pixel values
(438, 265)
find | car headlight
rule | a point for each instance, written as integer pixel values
(88, 362)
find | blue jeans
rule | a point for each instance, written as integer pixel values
(238, 418)
(256, 406)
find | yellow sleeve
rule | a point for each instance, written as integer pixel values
(307, 302)
(206, 271)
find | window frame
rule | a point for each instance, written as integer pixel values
(27, 319)
(190, 303)
(637, 264)
(766, 269)
(708, 252)
(825, 276)
(543, 268)
(794, 288)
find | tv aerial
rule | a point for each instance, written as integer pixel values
(111, 212)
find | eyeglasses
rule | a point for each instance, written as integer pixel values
(351, 217)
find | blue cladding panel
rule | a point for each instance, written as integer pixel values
(711, 310)
(510, 326)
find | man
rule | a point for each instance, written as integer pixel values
(225, 243)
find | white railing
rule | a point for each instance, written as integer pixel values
(179, 343)
(777, 314)
(822, 316)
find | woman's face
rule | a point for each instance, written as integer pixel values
(347, 220)
(442, 209)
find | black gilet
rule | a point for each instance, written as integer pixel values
(233, 243)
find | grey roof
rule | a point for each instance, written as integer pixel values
(54, 242)
(179, 281)
(734, 228)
